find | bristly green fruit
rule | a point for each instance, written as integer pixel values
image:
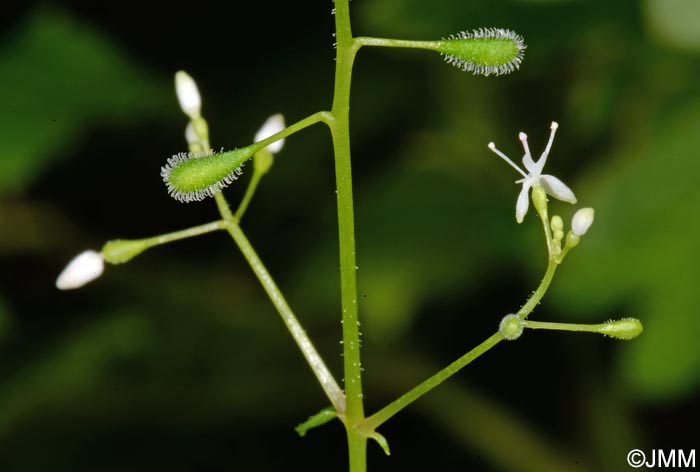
(486, 51)
(192, 177)
(626, 328)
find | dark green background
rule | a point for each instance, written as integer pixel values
(177, 361)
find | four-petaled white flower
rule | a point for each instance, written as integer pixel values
(549, 183)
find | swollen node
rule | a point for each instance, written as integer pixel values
(511, 327)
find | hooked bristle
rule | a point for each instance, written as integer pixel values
(208, 175)
(511, 60)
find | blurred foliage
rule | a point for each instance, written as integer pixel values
(177, 361)
(58, 76)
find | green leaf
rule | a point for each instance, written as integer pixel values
(322, 417)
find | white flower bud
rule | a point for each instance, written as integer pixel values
(84, 268)
(272, 125)
(582, 220)
(190, 134)
(188, 94)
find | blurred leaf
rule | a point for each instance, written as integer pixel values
(58, 77)
(421, 235)
(6, 320)
(675, 22)
(642, 253)
(74, 366)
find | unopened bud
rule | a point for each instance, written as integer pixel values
(272, 125)
(582, 220)
(188, 94)
(84, 268)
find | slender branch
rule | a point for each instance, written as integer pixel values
(377, 419)
(318, 117)
(576, 327)
(537, 295)
(323, 374)
(397, 43)
(250, 191)
(230, 223)
(184, 233)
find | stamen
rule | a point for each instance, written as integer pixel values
(553, 127)
(507, 159)
(523, 139)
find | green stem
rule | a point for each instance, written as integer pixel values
(374, 421)
(581, 328)
(319, 116)
(250, 191)
(183, 234)
(230, 222)
(398, 43)
(377, 419)
(540, 291)
(324, 376)
(340, 129)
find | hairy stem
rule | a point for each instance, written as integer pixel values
(340, 129)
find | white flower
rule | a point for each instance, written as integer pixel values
(551, 184)
(272, 125)
(84, 268)
(188, 94)
(582, 220)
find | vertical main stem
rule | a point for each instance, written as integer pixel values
(340, 129)
(346, 219)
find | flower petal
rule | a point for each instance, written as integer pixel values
(523, 202)
(557, 189)
(272, 125)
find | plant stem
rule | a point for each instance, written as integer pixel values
(250, 191)
(576, 327)
(230, 223)
(340, 129)
(397, 43)
(540, 291)
(319, 116)
(184, 233)
(324, 376)
(374, 421)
